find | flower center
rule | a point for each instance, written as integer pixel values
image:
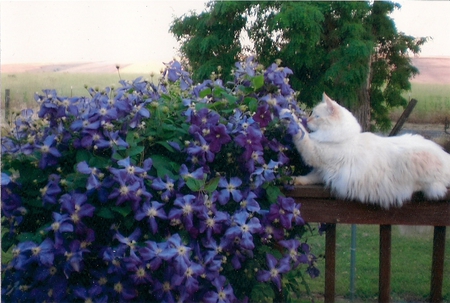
(274, 272)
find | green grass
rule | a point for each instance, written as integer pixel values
(410, 271)
(22, 86)
(433, 104)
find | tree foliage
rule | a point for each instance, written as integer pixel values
(352, 50)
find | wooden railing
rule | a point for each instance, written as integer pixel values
(318, 205)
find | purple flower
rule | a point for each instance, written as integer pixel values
(222, 294)
(275, 270)
(154, 253)
(201, 149)
(50, 191)
(243, 229)
(114, 141)
(151, 210)
(93, 294)
(60, 225)
(167, 187)
(130, 241)
(184, 211)
(74, 257)
(126, 191)
(75, 205)
(285, 211)
(263, 115)
(43, 253)
(251, 140)
(229, 188)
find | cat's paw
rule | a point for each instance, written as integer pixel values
(303, 180)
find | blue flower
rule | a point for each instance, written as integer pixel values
(229, 188)
(151, 211)
(243, 229)
(222, 294)
(275, 270)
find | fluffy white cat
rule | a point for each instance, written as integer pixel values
(366, 167)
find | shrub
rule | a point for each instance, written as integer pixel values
(144, 192)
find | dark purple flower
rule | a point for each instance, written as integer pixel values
(251, 140)
(263, 115)
(285, 211)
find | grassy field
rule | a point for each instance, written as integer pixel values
(411, 264)
(433, 105)
(22, 86)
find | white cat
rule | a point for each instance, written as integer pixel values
(366, 167)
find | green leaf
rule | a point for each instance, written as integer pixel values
(212, 185)
(163, 166)
(106, 213)
(195, 184)
(261, 292)
(123, 210)
(135, 151)
(273, 192)
(252, 104)
(207, 91)
(83, 155)
(258, 82)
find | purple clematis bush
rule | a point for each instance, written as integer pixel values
(167, 192)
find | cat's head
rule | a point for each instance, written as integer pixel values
(330, 119)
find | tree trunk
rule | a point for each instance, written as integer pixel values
(363, 109)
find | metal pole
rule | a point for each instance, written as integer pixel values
(7, 105)
(353, 263)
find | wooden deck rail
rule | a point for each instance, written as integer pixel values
(318, 205)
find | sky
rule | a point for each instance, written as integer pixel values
(138, 31)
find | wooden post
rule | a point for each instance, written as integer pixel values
(384, 283)
(330, 263)
(437, 266)
(7, 103)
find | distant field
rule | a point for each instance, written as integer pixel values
(431, 87)
(23, 86)
(433, 104)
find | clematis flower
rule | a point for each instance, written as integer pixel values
(229, 188)
(243, 229)
(49, 152)
(75, 205)
(222, 294)
(251, 140)
(151, 211)
(275, 270)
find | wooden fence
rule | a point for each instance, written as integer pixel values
(318, 205)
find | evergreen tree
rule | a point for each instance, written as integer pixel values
(351, 50)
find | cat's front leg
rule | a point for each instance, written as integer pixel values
(314, 177)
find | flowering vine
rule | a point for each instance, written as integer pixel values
(167, 192)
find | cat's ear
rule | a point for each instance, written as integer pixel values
(329, 102)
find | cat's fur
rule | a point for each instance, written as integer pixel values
(366, 167)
